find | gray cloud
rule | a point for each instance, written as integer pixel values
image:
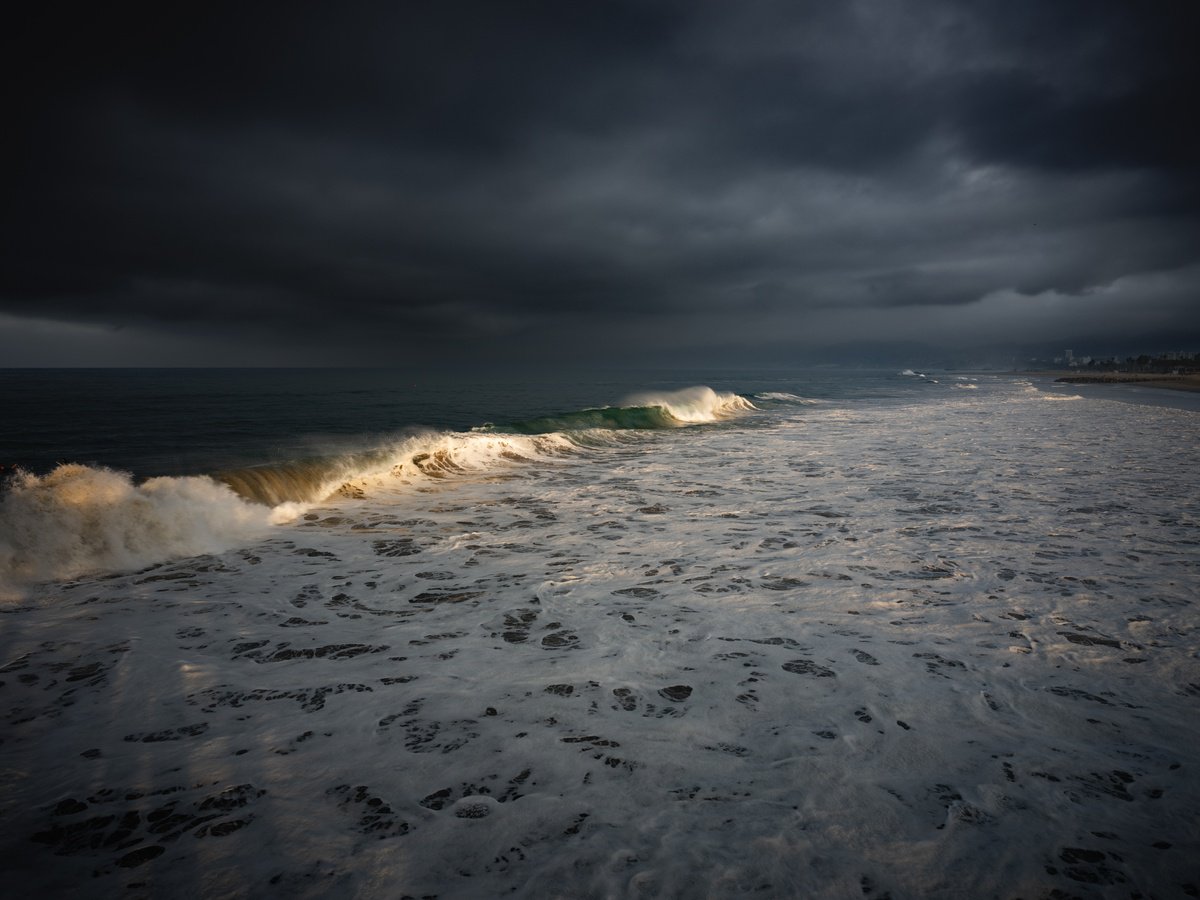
(606, 181)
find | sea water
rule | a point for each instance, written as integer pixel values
(770, 634)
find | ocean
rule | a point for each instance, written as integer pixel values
(374, 633)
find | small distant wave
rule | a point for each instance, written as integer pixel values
(966, 386)
(784, 397)
(78, 519)
(1028, 388)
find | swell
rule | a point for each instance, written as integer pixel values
(615, 418)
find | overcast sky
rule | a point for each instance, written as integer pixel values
(642, 182)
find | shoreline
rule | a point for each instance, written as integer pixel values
(1190, 383)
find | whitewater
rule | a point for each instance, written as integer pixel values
(699, 643)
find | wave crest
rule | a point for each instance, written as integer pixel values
(694, 405)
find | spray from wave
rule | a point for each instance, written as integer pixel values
(79, 519)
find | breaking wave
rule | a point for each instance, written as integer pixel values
(80, 519)
(428, 455)
(695, 405)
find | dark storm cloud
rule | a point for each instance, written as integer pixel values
(378, 184)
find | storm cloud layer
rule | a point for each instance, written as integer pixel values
(607, 181)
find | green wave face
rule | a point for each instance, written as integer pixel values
(617, 418)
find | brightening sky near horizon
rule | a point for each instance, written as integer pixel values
(662, 181)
